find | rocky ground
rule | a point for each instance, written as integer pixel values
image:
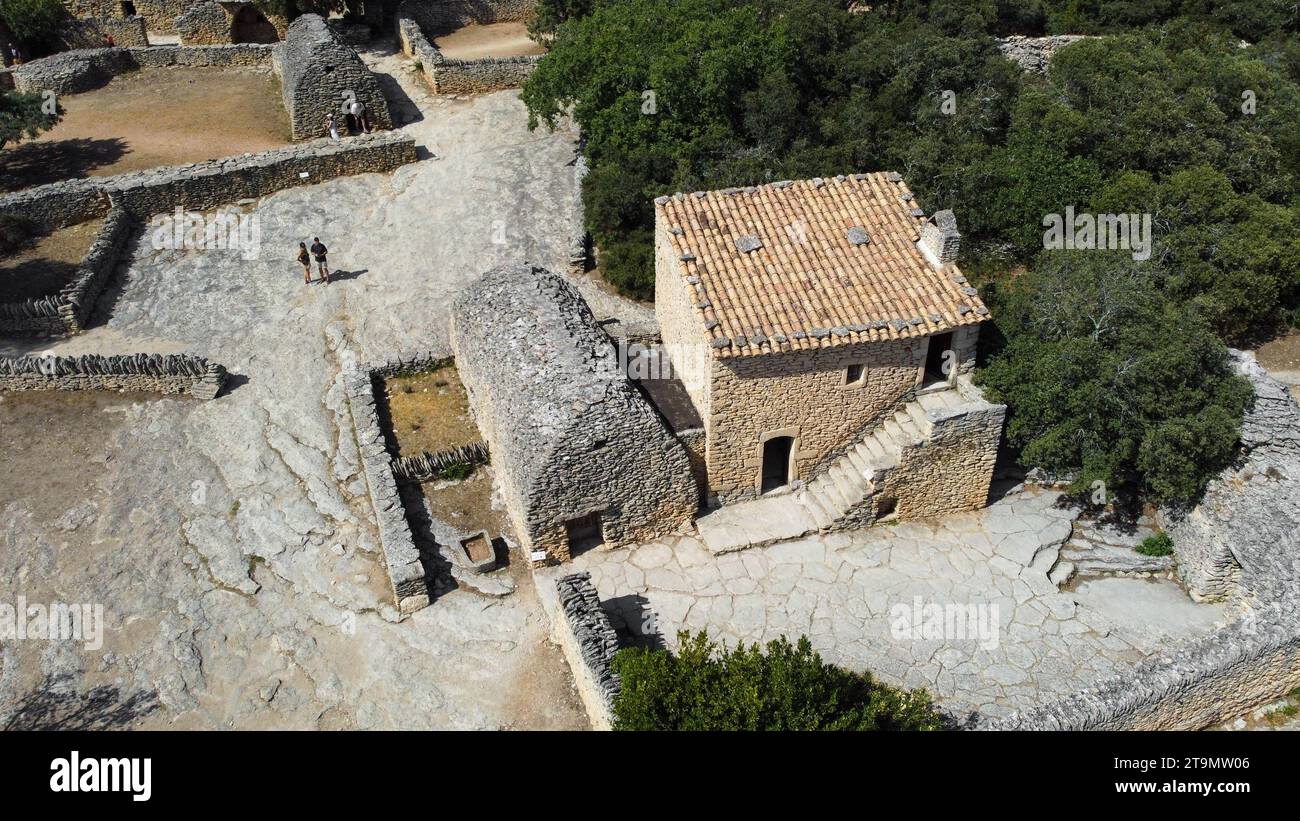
(844, 591)
(229, 542)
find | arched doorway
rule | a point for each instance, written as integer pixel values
(250, 26)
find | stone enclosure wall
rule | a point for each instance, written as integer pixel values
(416, 22)
(149, 373)
(589, 643)
(406, 571)
(67, 311)
(204, 185)
(72, 72)
(90, 32)
(130, 198)
(319, 73)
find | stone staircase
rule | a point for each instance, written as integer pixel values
(841, 494)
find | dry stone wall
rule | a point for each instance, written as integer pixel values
(570, 435)
(204, 185)
(72, 72)
(160, 15)
(406, 572)
(1242, 541)
(90, 32)
(589, 643)
(149, 373)
(318, 72)
(952, 469)
(67, 311)
(446, 76)
(204, 23)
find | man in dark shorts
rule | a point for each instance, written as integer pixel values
(318, 250)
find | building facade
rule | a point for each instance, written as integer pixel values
(802, 316)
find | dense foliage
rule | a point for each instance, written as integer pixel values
(23, 115)
(31, 22)
(1169, 115)
(781, 687)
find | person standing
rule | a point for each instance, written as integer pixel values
(305, 261)
(318, 250)
(358, 111)
(332, 126)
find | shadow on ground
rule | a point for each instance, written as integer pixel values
(56, 706)
(37, 163)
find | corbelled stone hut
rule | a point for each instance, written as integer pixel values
(319, 74)
(581, 456)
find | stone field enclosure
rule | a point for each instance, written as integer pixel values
(151, 117)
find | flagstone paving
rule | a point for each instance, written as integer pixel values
(857, 596)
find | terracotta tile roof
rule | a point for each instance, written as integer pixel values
(784, 266)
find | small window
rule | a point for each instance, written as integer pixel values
(128, 8)
(855, 376)
(585, 533)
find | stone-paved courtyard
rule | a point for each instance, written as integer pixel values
(841, 590)
(230, 542)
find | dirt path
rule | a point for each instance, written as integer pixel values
(1281, 358)
(149, 118)
(475, 41)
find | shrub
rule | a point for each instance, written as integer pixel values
(630, 266)
(456, 471)
(1157, 545)
(783, 686)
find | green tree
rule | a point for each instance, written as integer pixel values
(1107, 379)
(24, 115)
(32, 22)
(783, 686)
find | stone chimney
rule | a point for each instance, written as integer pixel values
(940, 240)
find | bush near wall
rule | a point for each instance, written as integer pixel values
(782, 686)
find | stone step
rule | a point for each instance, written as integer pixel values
(827, 488)
(1061, 573)
(918, 415)
(853, 483)
(822, 512)
(933, 401)
(855, 459)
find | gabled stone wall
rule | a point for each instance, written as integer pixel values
(148, 373)
(318, 73)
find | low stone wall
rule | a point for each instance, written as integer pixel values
(240, 55)
(1200, 684)
(152, 373)
(589, 643)
(481, 76)
(460, 76)
(90, 32)
(67, 311)
(1035, 53)
(442, 16)
(405, 569)
(200, 186)
(427, 466)
(72, 72)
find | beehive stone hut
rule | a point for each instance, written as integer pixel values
(319, 73)
(582, 457)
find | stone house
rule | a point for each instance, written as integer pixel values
(825, 335)
(581, 457)
(318, 74)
